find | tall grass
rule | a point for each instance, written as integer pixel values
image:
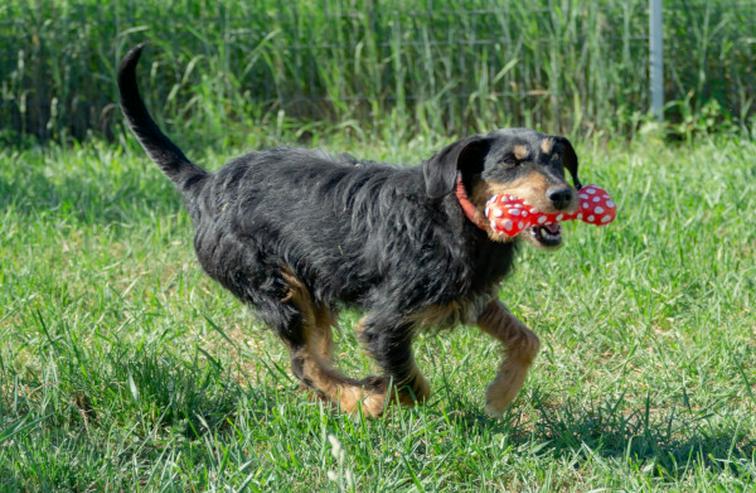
(220, 68)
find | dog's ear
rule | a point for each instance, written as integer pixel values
(465, 156)
(570, 161)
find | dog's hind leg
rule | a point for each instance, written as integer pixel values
(322, 333)
(521, 346)
(308, 335)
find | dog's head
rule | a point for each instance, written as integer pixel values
(519, 162)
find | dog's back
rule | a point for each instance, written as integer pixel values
(343, 227)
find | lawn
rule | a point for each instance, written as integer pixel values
(124, 368)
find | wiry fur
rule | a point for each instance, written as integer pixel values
(296, 234)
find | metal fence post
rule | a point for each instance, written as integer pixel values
(656, 58)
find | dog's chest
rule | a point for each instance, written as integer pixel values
(461, 311)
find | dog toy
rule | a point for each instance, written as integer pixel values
(511, 215)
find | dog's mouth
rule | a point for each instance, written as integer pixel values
(548, 236)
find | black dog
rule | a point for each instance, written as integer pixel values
(296, 234)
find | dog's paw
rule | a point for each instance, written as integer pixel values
(422, 389)
(357, 400)
(499, 396)
(375, 383)
(373, 405)
(493, 411)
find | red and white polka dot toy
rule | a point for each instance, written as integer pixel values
(511, 215)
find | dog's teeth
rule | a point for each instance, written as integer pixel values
(547, 235)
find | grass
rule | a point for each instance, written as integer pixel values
(390, 67)
(123, 367)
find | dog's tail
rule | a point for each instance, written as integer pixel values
(186, 175)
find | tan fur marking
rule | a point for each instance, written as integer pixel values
(350, 397)
(315, 356)
(521, 346)
(457, 312)
(521, 152)
(359, 327)
(323, 340)
(441, 315)
(547, 145)
(531, 187)
(317, 319)
(371, 404)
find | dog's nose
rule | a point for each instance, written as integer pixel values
(560, 196)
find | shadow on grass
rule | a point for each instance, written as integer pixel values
(197, 397)
(672, 440)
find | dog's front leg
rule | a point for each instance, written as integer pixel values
(520, 345)
(389, 342)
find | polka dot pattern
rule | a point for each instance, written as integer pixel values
(511, 215)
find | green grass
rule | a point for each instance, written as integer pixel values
(124, 368)
(220, 68)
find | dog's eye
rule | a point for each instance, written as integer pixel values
(509, 160)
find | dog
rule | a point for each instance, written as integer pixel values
(298, 234)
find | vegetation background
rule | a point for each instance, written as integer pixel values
(124, 368)
(219, 69)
